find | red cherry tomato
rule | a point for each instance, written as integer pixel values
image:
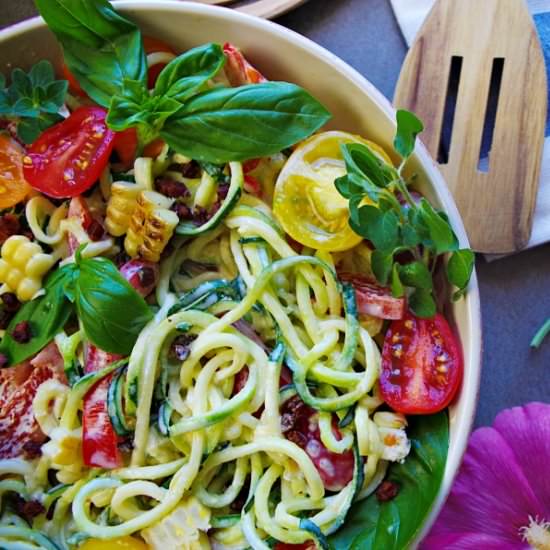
(125, 146)
(252, 185)
(373, 299)
(300, 425)
(74, 86)
(421, 365)
(68, 158)
(152, 45)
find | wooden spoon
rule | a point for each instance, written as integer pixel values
(480, 39)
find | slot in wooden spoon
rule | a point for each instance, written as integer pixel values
(482, 39)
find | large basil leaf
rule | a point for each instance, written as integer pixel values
(226, 124)
(100, 47)
(112, 313)
(46, 315)
(185, 75)
(393, 525)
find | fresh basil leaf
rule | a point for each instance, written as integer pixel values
(460, 267)
(381, 263)
(112, 313)
(397, 288)
(422, 303)
(408, 127)
(46, 316)
(416, 274)
(100, 47)
(187, 73)
(230, 124)
(393, 525)
(410, 236)
(381, 228)
(441, 235)
(360, 160)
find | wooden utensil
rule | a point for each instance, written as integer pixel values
(481, 39)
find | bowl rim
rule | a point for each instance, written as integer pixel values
(470, 386)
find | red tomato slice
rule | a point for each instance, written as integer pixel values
(300, 425)
(373, 299)
(238, 70)
(421, 365)
(19, 431)
(125, 146)
(74, 86)
(152, 45)
(69, 157)
(99, 439)
(252, 185)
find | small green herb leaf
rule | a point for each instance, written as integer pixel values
(225, 124)
(408, 127)
(363, 162)
(460, 267)
(186, 74)
(422, 303)
(416, 275)
(381, 262)
(111, 311)
(397, 288)
(381, 228)
(46, 316)
(441, 234)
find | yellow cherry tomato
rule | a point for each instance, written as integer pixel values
(306, 202)
(120, 543)
(13, 187)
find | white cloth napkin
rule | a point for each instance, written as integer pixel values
(411, 13)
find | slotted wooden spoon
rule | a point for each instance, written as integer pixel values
(497, 205)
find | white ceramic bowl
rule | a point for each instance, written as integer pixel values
(357, 106)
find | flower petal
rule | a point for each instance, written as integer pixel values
(527, 431)
(469, 541)
(491, 494)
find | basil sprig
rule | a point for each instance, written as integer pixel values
(46, 316)
(100, 47)
(111, 312)
(105, 53)
(408, 235)
(32, 100)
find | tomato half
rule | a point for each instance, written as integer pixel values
(421, 365)
(74, 86)
(306, 201)
(69, 157)
(125, 146)
(300, 425)
(373, 299)
(13, 187)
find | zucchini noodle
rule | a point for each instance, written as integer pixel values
(205, 435)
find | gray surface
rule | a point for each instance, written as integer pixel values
(515, 293)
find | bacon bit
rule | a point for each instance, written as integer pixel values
(10, 302)
(200, 215)
(191, 170)
(28, 510)
(180, 348)
(9, 225)
(32, 449)
(223, 189)
(170, 188)
(183, 211)
(387, 491)
(22, 332)
(95, 231)
(3, 361)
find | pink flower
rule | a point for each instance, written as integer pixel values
(501, 497)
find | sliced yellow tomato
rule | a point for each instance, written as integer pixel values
(306, 202)
(13, 187)
(120, 543)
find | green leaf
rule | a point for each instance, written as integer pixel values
(41, 74)
(366, 164)
(393, 525)
(381, 263)
(28, 130)
(112, 313)
(422, 303)
(408, 127)
(226, 124)
(54, 96)
(441, 234)
(187, 73)
(417, 275)
(410, 235)
(397, 288)
(460, 267)
(46, 315)
(381, 228)
(100, 47)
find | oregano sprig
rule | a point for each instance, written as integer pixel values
(407, 233)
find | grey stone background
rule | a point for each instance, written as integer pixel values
(515, 292)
